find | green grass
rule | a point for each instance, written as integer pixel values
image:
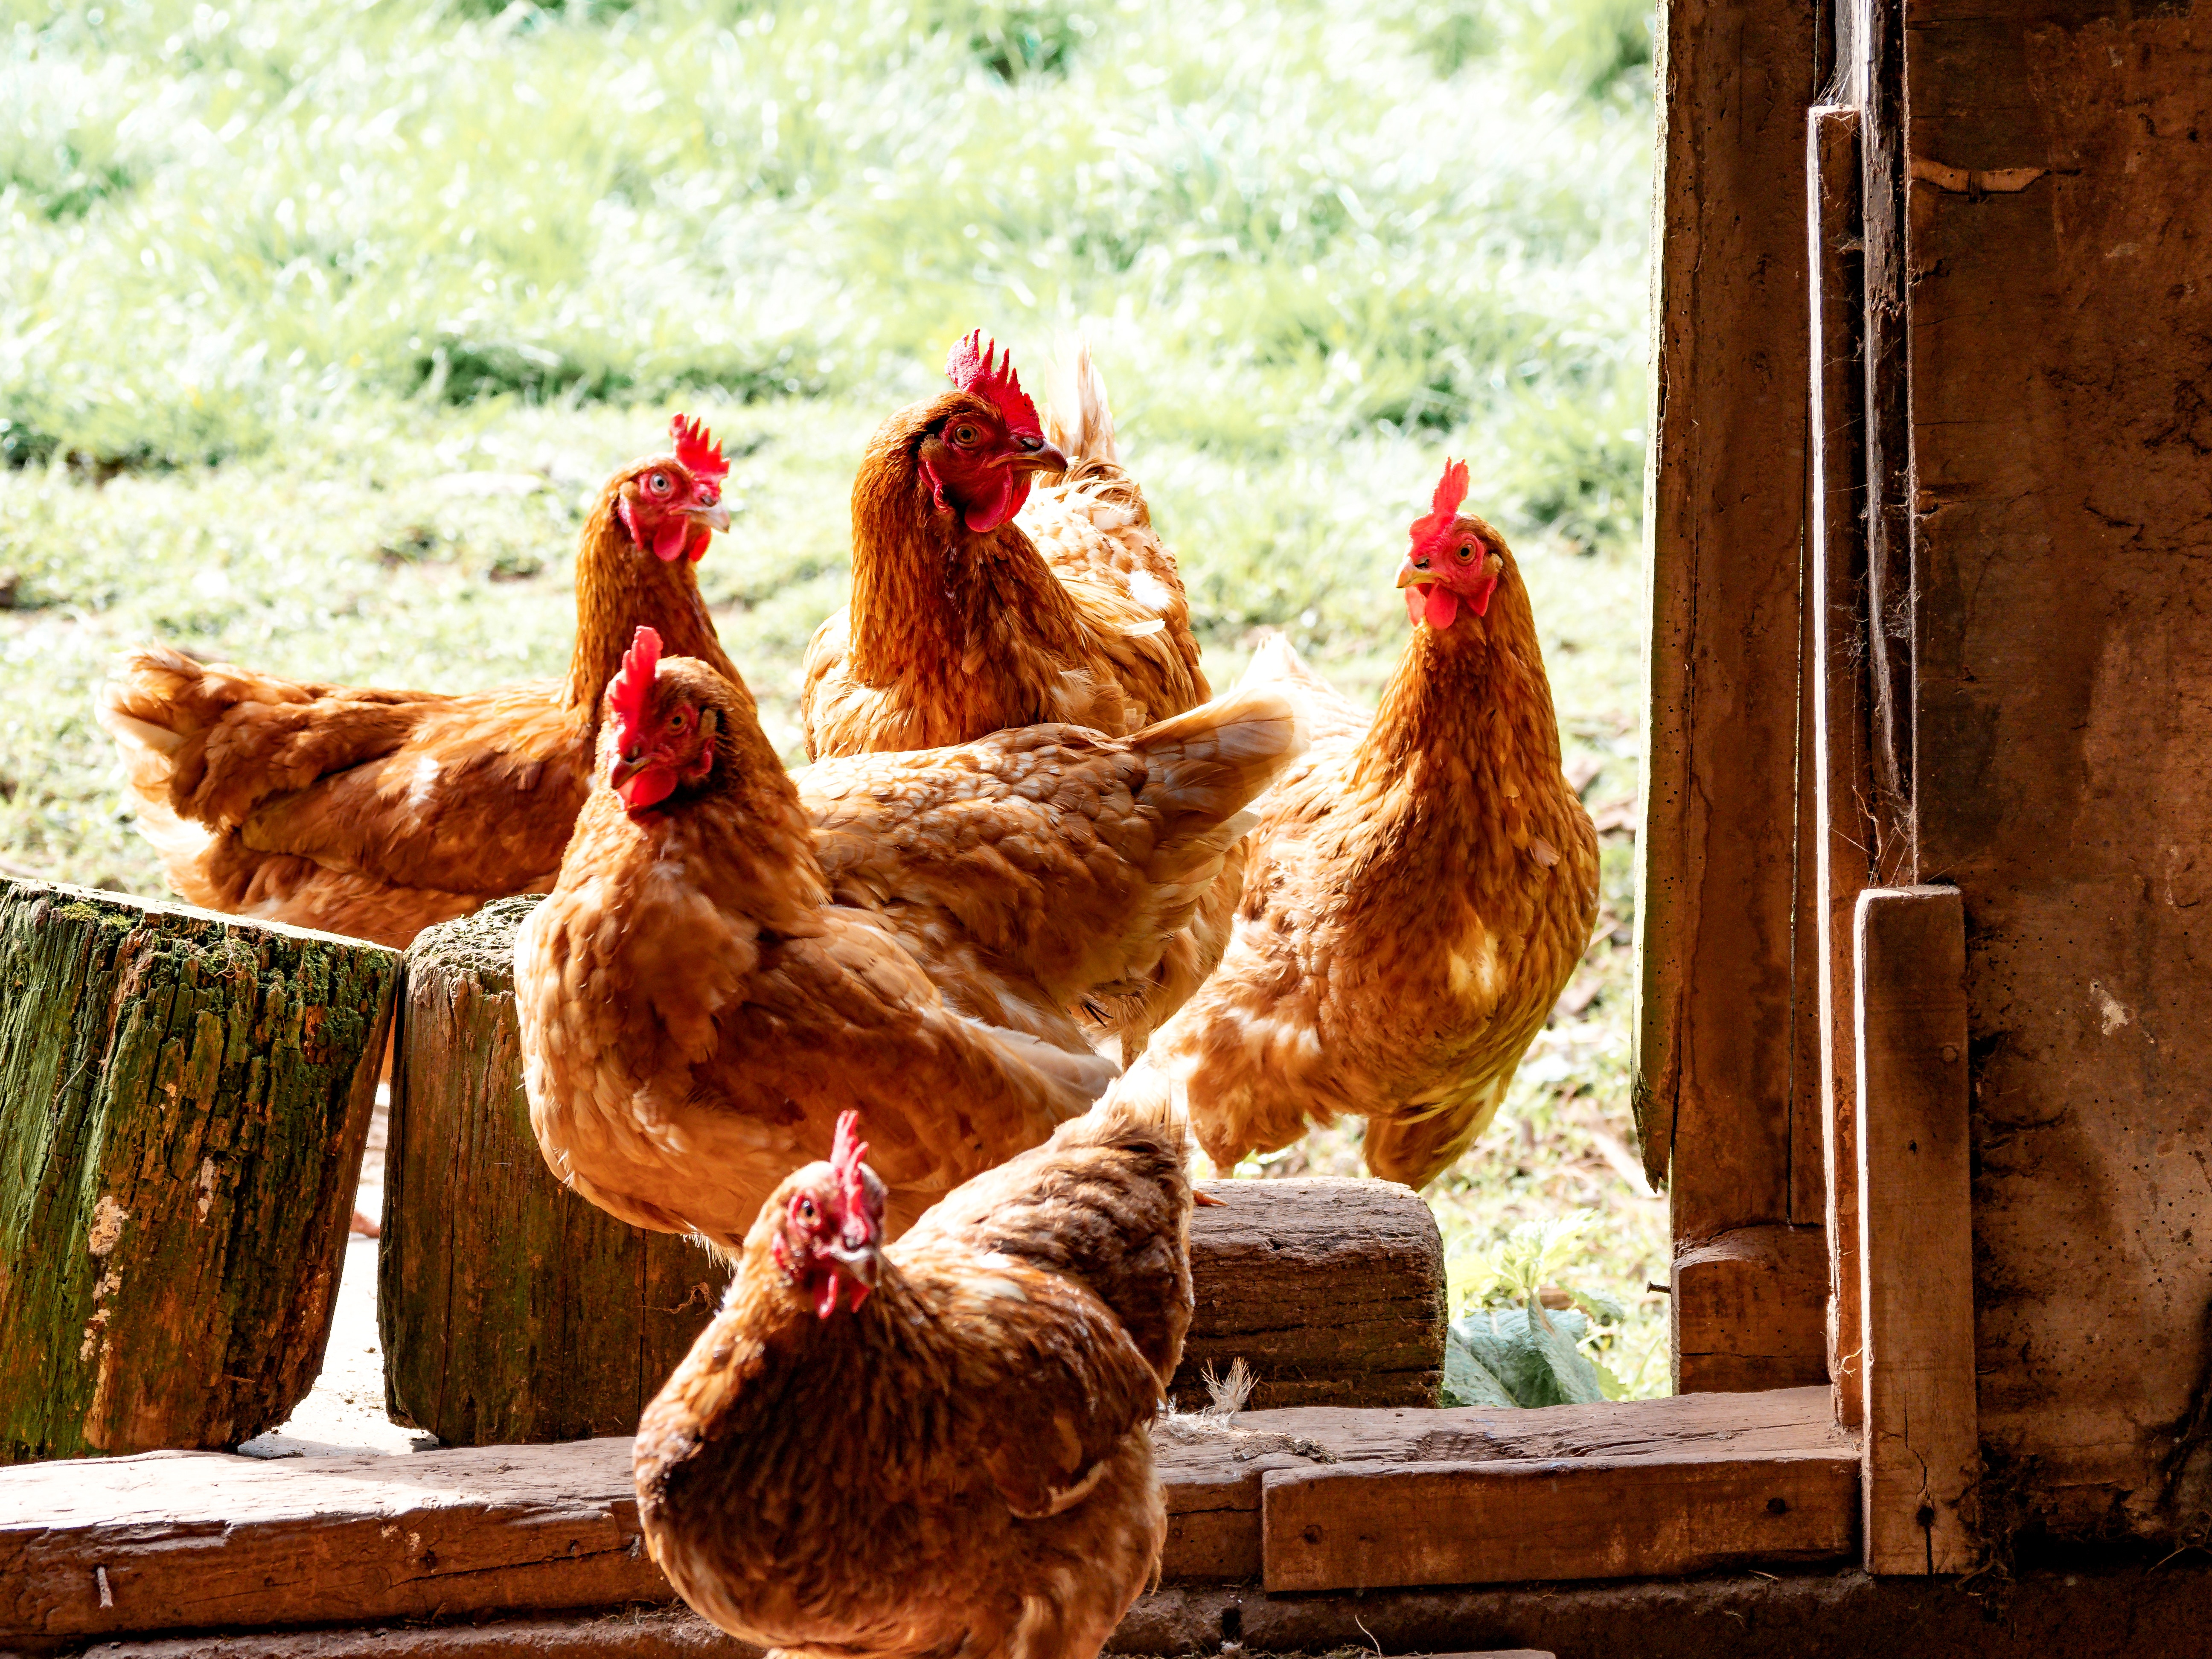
(319, 322)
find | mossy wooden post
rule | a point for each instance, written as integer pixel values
(183, 1100)
(511, 1309)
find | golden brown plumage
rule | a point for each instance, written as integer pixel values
(960, 1462)
(964, 618)
(696, 1010)
(976, 607)
(378, 813)
(1047, 866)
(1420, 894)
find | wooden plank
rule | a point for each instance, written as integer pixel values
(206, 1540)
(1845, 828)
(511, 1309)
(1501, 1522)
(1212, 1470)
(1330, 1290)
(1922, 1453)
(1878, 77)
(1749, 1311)
(1716, 903)
(183, 1102)
(2061, 300)
(634, 1633)
(664, 1633)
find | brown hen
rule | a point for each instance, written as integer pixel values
(941, 1447)
(378, 813)
(695, 1012)
(966, 619)
(1420, 892)
(980, 604)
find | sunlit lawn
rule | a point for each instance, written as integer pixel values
(318, 326)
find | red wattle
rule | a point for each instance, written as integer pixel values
(1442, 610)
(1416, 602)
(825, 1299)
(647, 789)
(668, 540)
(1001, 508)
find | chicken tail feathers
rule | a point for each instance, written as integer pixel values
(1204, 767)
(1146, 1095)
(1077, 418)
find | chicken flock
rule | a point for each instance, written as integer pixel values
(917, 1034)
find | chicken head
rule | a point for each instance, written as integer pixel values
(829, 1224)
(1456, 559)
(672, 505)
(981, 443)
(661, 732)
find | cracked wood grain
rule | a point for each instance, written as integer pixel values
(183, 1100)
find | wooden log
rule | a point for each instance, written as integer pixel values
(511, 1309)
(1332, 1292)
(1917, 1232)
(1748, 1311)
(176, 1542)
(183, 1100)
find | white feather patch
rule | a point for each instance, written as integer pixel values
(1149, 590)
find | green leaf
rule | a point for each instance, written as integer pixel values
(1536, 1361)
(1467, 1380)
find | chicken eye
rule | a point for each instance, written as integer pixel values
(806, 1209)
(1467, 553)
(679, 720)
(657, 483)
(964, 434)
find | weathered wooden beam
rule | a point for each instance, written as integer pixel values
(183, 1100)
(1717, 857)
(1922, 1456)
(1748, 1311)
(1503, 1522)
(1214, 1502)
(635, 1633)
(511, 1310)
(1845, 825)
(1331, 1291)
(139, 1546)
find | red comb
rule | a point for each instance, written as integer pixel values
(695, 448)
(1444, 506)
(634, 683)
(970, 368)
(844, 1157)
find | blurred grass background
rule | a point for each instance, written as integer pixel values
(319, 323)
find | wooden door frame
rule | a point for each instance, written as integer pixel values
(1801, 1047)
